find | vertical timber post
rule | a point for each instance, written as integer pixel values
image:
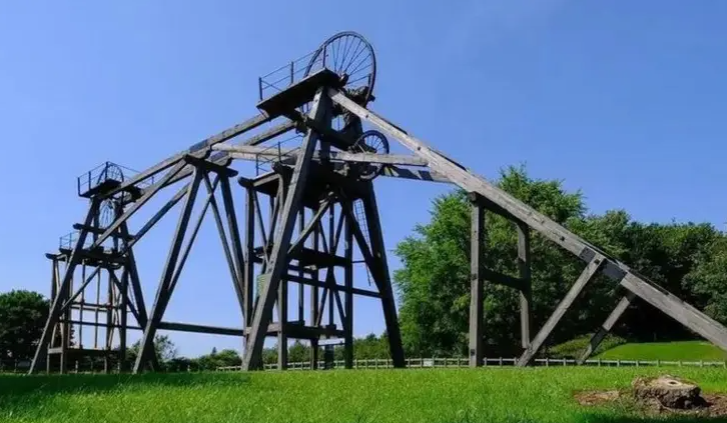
(477, 241)
(314, 301)
(348, 282)
(320, 112)
(523, 264)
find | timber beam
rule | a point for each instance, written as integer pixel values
(606, 327)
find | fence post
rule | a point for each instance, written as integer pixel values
(679, 363)
(565, 361)
(499, 362)
(599, 362)
(658, 363)
(618, 363)
(547, 361)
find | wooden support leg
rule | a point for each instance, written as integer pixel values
(611, 320)
(575, 290)
(164, 291)
(348, 281)
(315, 303)
(523, 262)
(282, 318)
(477, 241)
(279, 255)
(64, 288)
(382, 277)
(235, 240)
(123, 317)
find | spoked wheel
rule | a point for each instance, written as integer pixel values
(373, 142)
(111, 171)
(351, 56)
(106, 213)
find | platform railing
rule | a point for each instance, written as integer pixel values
(105, 173)
(275, 153)
(290, 73)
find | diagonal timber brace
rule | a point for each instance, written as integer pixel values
(586, 276)
(611, 320)
(614, 269)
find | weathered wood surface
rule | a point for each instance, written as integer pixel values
(602, 331)
(477, 241)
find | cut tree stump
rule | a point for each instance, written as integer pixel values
(669, 391)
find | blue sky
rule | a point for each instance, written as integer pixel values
(623, 100)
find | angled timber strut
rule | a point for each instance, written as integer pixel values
(310, 218)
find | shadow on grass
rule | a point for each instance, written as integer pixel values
(33, 390)
(645, 419)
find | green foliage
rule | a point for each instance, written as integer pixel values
(667, 351)
(504, 395)
(688, 259)
(366, 348)
(22, 317)
(165, 349)
(215, 359)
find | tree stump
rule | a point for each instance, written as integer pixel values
(669, 391)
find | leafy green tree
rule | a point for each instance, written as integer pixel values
(165, 349)
(22, 317)
(433, 284)
(224, 358)
(688, 259)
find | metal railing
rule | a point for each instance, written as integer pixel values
(290, 73)
(275, 153)
(107, 171)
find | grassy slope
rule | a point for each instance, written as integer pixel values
(685, 351)
(444, 395)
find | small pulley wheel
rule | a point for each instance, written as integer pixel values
(372, 142)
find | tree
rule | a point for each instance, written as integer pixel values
(22, 317)
(688, 259)
(434, 285)
(165, 349)
(224, 358)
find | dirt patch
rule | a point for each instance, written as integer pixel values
(715, 405)
(590, 398)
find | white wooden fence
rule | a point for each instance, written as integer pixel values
(497, 362)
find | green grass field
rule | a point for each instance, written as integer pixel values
(426, 395)
(671, 351)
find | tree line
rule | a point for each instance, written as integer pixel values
(433, 285)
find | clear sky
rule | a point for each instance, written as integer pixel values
(623, 100)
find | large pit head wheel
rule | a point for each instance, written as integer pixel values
(373, 142)
(351, 56)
